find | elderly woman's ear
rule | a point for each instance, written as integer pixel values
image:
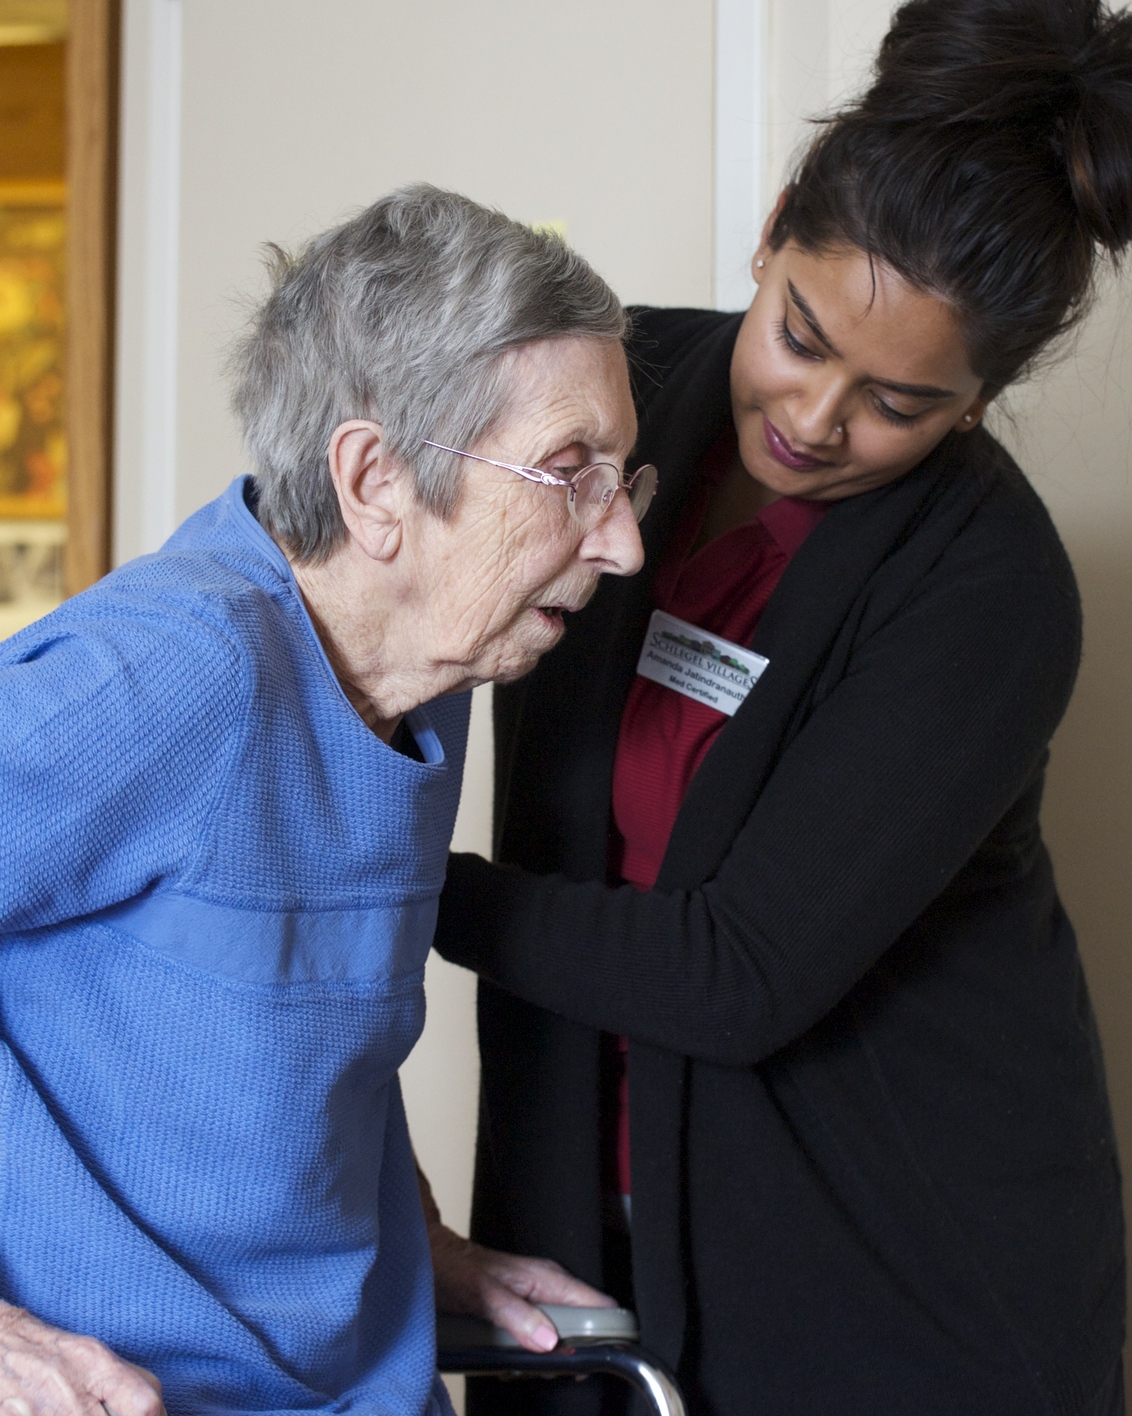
(371, 486)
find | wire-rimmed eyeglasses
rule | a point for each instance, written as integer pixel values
(589, 490)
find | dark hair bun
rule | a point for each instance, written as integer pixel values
(988, 163)
(1053, 75)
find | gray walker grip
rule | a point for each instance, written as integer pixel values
(592, 1342)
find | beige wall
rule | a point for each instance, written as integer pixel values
(296, 113)
(1072, 432)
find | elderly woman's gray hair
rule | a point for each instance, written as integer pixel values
(403, 315)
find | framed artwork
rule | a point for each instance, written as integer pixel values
(33, 433)
(57, 246)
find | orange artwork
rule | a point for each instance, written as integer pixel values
(33, 444)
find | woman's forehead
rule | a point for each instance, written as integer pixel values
(871, 315)
(571, 390)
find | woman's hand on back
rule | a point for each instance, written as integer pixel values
(47, 1372)
(503, 1288)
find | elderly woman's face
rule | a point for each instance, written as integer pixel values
(511, 561)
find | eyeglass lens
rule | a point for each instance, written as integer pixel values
(594, 494)
(643, 490)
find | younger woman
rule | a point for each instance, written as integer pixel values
(863, 1137)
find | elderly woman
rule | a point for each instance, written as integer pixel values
(229, 774)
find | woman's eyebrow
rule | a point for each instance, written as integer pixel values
(595, 437)
(578, 436)
(916, 390)
(911, 390)
(811, 319)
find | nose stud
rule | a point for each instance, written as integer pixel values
(839, 430)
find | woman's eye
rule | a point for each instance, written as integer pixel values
(795, 346)
(893, 415)
(566, 461)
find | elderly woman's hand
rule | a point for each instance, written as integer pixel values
(47, 1372)
(503, 1288)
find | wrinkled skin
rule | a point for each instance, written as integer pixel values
(46, 1372)
(411, 605)
(503, 1288)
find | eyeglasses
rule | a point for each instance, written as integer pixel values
(589, 490)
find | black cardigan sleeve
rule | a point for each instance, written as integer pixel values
(889, 788)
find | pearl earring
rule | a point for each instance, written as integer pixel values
(966, 417)
(759, 265)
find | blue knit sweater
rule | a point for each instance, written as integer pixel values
(217, 892)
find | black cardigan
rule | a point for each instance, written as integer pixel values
(873, 1162)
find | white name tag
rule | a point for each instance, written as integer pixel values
(698, 664)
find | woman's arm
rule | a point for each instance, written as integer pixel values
(91, 810)
(114, 739)
(890, 787)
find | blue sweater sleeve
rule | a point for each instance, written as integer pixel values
(115, 736)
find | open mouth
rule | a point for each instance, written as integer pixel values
(553, 614)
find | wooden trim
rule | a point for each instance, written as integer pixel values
(92, 152)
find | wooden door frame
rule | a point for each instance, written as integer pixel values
(93, 48)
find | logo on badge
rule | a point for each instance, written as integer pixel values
(712, 671)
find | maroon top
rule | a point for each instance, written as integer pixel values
(664, 736)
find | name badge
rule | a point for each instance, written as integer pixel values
(697, 664)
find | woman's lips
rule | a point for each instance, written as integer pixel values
(551, 614)
(782, 452)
